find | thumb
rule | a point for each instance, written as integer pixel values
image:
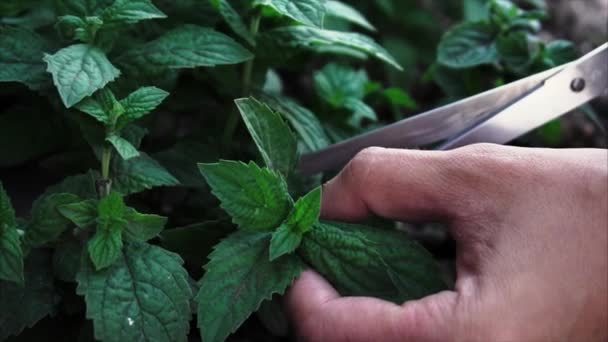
(320, 314)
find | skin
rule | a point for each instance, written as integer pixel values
(531, 227)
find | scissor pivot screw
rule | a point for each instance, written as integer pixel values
(578, 85)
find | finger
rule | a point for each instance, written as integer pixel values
(407, 185)
(320, 314)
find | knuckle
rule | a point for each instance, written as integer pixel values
(486, 175)
(362, 165)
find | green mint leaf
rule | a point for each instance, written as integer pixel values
(400, 98)
(78, 71)
(468, 45)
(140, 103)
(68, 24)
(66, 258)
(257, 199)
(144, 295)
(139, 174)
(7, 213)
(131, 11)
(516, 51)
(47, 222)
(559, 52)
(233, 19)
(476, 10)
(271, 134)
(92, 107)
(285, 240)
(82, 185)
(336, 84)
(11, 255)
(239, 277)
(86, 33)
(25, 304)
(343, 87)
(304, 122)
(106, 245)
(362, 261)
(108, 102)
(143, 227)
(360, 110)
(123, 147)
(315, 39)
(307, 12)
(288, 237)
(82, 214)
(346, 12)
(306, 212)
(21, 53)
(111, 207)
(504, 11)
(187, 46)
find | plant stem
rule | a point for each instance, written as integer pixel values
(106, 157)
(105, 184)
(248, 70)
(232, 122)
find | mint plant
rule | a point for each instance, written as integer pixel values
(277, 238)
(501, 39)
(140, 201)
(497, 43)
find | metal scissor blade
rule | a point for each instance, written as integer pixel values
(431, 127)
(574, 86)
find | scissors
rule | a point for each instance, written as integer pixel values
(496, 116)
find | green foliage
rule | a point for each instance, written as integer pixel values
(78, 71)
(239, 277)
(233, 19)
(145, 293)
(106, 245)
(131, 11)
(256, 198)
(47, 223)
(287, 238)
(271, 134)
(307, 126)
(500, 41)
(307, 12)
(21, 54)
(131, 100)
(25, 304)
(500, 33)
(139, 174)
(326, 41)
(251, 265)
(468, 45)
(11, 255)
(346, 12)
(344, 88)
(187, 46)
(360, 260)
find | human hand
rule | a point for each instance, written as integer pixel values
(531, 227)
